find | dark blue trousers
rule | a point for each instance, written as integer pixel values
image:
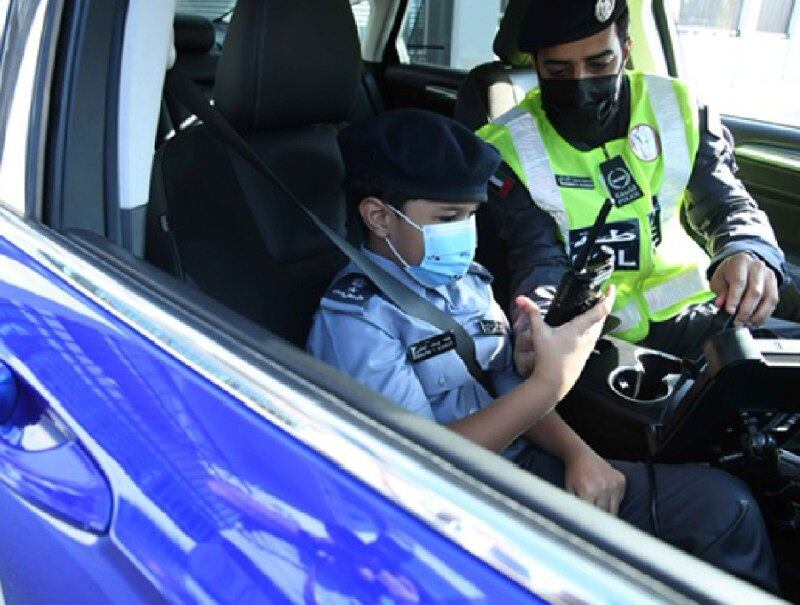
(704, 511)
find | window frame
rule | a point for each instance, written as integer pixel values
(31, 149)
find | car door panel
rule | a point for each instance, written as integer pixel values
(768, 157)
(424, 87)
(210, 500)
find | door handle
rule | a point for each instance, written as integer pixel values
(442, 92)
(44, 464)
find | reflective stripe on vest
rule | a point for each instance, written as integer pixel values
(674, 146)
(541, 180)
(676, 158)
(539, 176)
(629, 317)
(663, 296)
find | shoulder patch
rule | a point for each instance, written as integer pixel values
(481, 271)
(352, 289)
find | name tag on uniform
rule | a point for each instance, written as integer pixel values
(620, 182)
(492, 328)
(431, 347)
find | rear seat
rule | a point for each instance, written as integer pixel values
(197, 55)
(197, 50)
(369, 101)
(214, 221)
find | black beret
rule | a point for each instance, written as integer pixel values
(552, 22)
(417, 154)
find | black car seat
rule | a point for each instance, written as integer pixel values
(369, 100)
(197, 50)
(491, 89)
(197, 55)
(287, 75)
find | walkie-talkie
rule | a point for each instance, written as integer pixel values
(579, 289)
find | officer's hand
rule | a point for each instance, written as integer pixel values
(559, 354)
(593, 479)
(744, 281)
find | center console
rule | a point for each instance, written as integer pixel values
(737, 407)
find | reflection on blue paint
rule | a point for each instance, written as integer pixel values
(211, 502)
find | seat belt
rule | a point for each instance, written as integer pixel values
(185, 91)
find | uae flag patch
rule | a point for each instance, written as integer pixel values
(502, 182)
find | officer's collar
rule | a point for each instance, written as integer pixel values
(395, 270)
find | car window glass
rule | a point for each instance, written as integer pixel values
(450, 33)
(210, 9)
(742, 56)
(19, 52)
(3, 13)
(361, 13)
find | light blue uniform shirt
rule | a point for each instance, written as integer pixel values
(364, 335)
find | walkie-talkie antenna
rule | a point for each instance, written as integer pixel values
(599, 223)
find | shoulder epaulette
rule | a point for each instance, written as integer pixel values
(351, 289)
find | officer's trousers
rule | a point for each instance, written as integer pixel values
(701, 510)
(679, 336)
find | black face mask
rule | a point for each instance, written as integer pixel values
(584, 109)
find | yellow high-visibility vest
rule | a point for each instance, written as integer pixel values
(655, 280)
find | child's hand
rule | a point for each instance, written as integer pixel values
(556, 356)
(524, 354)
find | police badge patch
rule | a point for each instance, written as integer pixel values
(353, 289)
(645, 142)
(603, 10)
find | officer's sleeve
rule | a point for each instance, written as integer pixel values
(719, 208)
(536, 257)
(373, 357)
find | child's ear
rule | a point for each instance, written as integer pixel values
(375, 215)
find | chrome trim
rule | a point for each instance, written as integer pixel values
(669, 380)
(442, 92)
(548, 561)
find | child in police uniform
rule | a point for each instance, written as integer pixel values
(417, 179)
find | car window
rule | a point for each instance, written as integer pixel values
(450, 33)
(22, 34)
(742, 56)
(3, 14)
(361, 12)
(210, 9)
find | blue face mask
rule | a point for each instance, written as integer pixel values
(449, 249)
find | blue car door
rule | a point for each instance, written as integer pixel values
(137, 471)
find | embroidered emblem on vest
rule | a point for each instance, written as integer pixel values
(645, 142)
(622, 237)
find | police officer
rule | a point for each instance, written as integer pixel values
(417, 179)
(593, 130)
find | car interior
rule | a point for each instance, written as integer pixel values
(219, 230)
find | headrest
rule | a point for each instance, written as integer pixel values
(505, 42)
(288, 63)
(193, 34)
